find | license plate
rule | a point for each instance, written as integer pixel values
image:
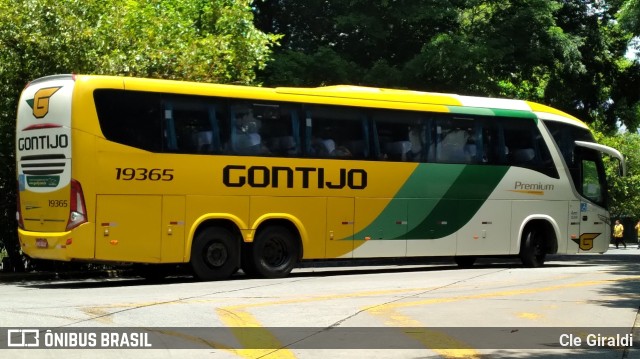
(42, 243)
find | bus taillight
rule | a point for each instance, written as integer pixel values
(78, 210)
(19, 210)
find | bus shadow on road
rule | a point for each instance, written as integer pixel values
(626, 264)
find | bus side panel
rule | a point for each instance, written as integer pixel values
(387, 238)
(173, 229)
(573, 245)
(488, 231)
(304, 212)
(421, 240)
(595, 234)
(128, 228)
(84, 170)
(340, 226)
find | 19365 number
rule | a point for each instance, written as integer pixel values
(144, 174)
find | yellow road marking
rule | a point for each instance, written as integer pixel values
(237, 317)
(99, 313)
(433, 339)
(530, 316)
(503, 293)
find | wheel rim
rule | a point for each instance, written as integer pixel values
(537, 246)
(275, 252)
(216, 254)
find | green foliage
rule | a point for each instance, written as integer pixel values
(629, 16)
(200, 40)
(195, 40)
(500, 54)
(568, 54)
(592, 95)
(624, 191)
(369, 37)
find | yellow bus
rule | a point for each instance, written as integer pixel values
(221, 177)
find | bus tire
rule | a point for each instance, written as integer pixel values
(532, 252)
(465, 261)
(274, 252)
(248, 266)
(214, 254)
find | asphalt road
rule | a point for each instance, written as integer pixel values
(432, 310)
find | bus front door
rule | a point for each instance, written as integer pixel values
(594, 227)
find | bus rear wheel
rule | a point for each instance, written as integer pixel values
(215, 254)
(532, 251)
(274, 253)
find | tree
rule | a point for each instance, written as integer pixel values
(201, 40)
(370, 38)
(499, 48)
(594, 94)
(629, 16)
(622, 189)
(564, 53)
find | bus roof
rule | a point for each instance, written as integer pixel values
(366, 96)
(455, 103)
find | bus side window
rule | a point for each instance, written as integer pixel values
(203, 141)
(491, 144)
(400, 135)
(455, 141)
(191, 127)
(526, 147)
(518, 138)
(280, 129)
(130, 118)
(245, 132)
(337, 132)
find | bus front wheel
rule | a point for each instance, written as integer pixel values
(214, 254)
(532, 251)
(274, 253)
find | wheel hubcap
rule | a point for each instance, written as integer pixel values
(275, 252)
(216, 254)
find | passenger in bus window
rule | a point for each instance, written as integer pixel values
(342, 151)
(414, 147)
(322, 147)
(248, 139)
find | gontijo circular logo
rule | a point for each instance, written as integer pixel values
(40, 101)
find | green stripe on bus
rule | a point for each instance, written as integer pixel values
(461, 202)
(515, 113)
(436, 201)
(428, 180)
(483, 111)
